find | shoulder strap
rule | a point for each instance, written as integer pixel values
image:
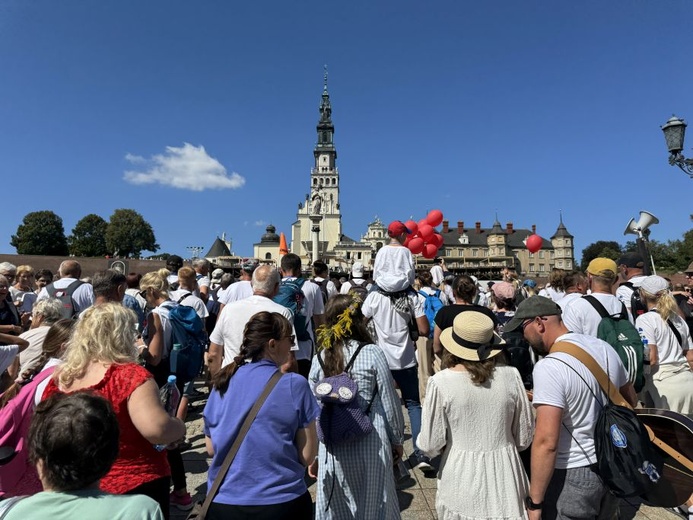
(676, 332)
(597, 305)
(597, 371)
(353, 358)
(239, 440)
(184, 297)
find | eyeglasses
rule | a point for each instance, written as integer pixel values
(527, 322)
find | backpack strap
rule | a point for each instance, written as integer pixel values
(184, 297)
(602, 310)
(676, 333)
(353, 358)
(597, 371)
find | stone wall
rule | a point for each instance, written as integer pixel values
(89, 265)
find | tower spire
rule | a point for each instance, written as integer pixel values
(324, 89)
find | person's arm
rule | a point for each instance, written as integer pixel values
(149, 417)
(689, 357)
(628, 393)
(214, 356)
(8, 330)
(14, 340)
(544, 450)
(208, 446)
(155, 349)
(204, 293)
(307, 444)
(654, 355)
(437, 345)
(423, 325)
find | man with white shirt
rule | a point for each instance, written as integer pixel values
(322, 279)
(438, 271)
(185, 295)
(70, 272)
(242, 289)
(580, 316)
(201, 267)
(356, 279)
(575, 285)
(631, 270)
(227, 336)
(564, 479)
(44, 314)
(313, 310)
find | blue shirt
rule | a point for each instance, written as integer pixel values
(266, 469)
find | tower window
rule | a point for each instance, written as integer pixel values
(268, 256)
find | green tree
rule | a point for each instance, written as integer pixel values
(128, 234)
(668, 257)
(89, 237)
(600, 249)
(40, 233)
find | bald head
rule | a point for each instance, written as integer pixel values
(265, 281)
(70, 269)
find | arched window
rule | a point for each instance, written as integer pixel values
(268, 256)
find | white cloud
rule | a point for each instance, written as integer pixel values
(187, 167)
(259, 223)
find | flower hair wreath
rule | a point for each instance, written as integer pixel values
(328, 336)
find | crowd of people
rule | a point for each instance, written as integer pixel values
(503, 420)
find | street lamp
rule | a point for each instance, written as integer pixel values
(194, 251)
(674, 133)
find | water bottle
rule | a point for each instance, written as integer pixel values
(170, 398)
(173, 356)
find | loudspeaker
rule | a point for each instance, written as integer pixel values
(638, 228)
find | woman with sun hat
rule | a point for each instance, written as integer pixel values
(477, 415)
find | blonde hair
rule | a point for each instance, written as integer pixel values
(663, 301)
(104, 333)
(25, 269)
(187, 273)
(156, 280)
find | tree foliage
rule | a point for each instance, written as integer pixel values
(40, 233)
(600, 249)
(669, 257)
(89, 237)
(128, 234)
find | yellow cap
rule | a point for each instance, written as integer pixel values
(598, 266)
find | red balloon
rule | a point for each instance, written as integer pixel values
(412, 226)
(437, 239)
(423, 222)
(534, 243)
(416, 245)
(435, 217)
(407, 240)
(426, 232)
(430, 251)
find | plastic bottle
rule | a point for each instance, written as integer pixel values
(170, 398)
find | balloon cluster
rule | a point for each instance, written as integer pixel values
(424, 239)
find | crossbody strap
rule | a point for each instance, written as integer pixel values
(597, 371)
(238, 441)
(676, 332)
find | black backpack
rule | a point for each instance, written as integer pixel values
(323, 289)
(627, 461)
(519, 354)
(637, 306)
(65, 297)
(361, 290)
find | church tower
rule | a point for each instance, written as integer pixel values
(320, 210)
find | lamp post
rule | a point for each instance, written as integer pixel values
(674, 134)
(194, 251)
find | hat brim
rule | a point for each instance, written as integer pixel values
(466, 353)
(513, 324)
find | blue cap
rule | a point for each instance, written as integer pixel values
(530, 283)
(172, 379)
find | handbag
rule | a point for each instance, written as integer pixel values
(199, 512)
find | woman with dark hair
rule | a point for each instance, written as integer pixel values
(73, 441)
(266, 479)
(362, 469)
(464, 289)
(477, 415)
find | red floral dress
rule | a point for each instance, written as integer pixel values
(138, 461)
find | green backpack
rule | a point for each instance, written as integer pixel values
(620, 333)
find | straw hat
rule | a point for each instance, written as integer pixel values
(472, 337)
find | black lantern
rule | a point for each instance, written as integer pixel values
(674, 134)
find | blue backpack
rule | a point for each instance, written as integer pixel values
(291, 296)
(188, 332)
(431, 307)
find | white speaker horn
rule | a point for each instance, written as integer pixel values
(646, 220)
(631, 228)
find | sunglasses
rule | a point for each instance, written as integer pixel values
(527, 322)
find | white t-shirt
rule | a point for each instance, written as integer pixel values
(83, 295)
(190, 301)
(202, 281)
(7, 355)
(312, 306)
(393, 270)
(236, 291)
(550, 292)
(331, 287)
(392, 327)
(230, 326)
(580, 317)
(558, 385)
(565, 301)
(358, 282)
(437, 274)
(27, 299)
(657, 332)
(431, 291)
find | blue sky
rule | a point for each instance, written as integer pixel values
(520, 108)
